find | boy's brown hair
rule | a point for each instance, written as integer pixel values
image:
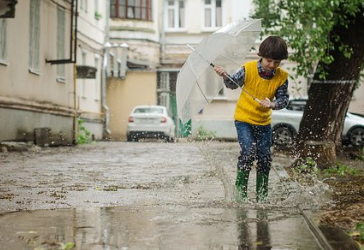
(273, 47)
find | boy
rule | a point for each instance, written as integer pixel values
(264, 80)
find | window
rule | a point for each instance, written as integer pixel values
(131, 9)
(3, 55)
(164, 100)
(175, 14)
(96, 5)
(83, 5)
(212, 13)
(164, 81)
(61, 51)
(34, 36)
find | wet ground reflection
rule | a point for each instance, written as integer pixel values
(167, 227)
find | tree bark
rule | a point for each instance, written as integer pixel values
(321, 127)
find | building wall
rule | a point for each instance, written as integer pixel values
(142, 37)
(29, 100)
(138, 88)
(90, 40)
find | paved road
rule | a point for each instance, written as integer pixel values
(150, 195)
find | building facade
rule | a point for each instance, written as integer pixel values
(91, 33)
(51, 71)
(37, 96)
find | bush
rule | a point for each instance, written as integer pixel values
(203, 134)
(83, 135)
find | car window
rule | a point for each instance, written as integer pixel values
(297, 105)
(148, 110)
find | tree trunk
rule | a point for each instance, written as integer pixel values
(321, 127)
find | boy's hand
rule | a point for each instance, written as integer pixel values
(220, 71)
(267, 103)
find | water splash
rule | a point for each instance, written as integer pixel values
(229, 188)
(284, 191)
(306, 190)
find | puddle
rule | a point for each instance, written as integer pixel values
(168, 227)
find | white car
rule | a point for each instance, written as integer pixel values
(150, 122)
(286, 123)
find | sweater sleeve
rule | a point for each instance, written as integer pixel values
(282, 96)
(238, 77)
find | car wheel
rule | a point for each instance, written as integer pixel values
(283, 136)
(133, 138)
(128, 138)
(356, 136)
(171, 139)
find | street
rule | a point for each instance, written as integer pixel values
(147, 195)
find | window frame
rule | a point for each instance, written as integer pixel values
(213, 19)
(133, 9)
(164, 81)
(3, 41)
(34, 36)
(177, 19)
(164, 100)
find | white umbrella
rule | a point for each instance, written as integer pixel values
(197, 82)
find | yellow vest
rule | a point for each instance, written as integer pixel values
(249, 110)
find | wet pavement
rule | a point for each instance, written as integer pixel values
(146, 195)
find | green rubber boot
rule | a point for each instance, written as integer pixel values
(241, 185)
(262, 187)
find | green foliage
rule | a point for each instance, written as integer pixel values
(360, 228)
(358, 234)
(307, 165)
(305, 171)
(307, 27)
(68, 246)
(83, 136)
(203, 134)
(98, 15)
(340, 170)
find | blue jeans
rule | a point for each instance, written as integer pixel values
(255, 142)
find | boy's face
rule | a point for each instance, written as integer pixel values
(270, 64)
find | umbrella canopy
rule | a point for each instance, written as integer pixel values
(197, 82)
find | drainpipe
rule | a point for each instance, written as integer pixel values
(162, 35)
(75, 117)
(105, 108)
(104, 89)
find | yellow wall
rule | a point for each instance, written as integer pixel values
(138, 88)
